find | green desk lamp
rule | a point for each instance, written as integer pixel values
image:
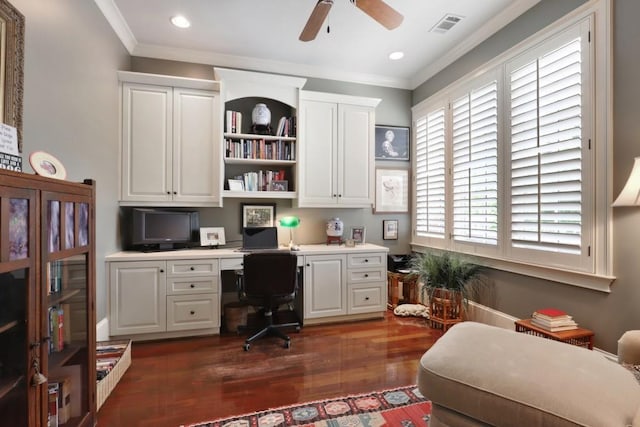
(290, 222)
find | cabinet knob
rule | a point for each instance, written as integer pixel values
(366, 275)
(339, 195)
(168, 192)
(161, 271)
(192, 312)
(366, 298)
(308, 265)
(334, 195)
(366, 260)
(175, 192)
(192, 286)
(192, 268)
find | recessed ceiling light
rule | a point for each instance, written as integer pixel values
(180, 21)
(394, 56)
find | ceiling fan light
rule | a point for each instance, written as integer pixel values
(180, 21)
(394, 56)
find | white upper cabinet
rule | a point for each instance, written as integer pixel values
(171, 141)
(336, 150)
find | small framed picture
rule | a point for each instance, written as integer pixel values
(392, 143)
(392, 190)
(390, 229)
(212, 236)
(279, 186)
(358, 234)
(258, 215)
(236, 185)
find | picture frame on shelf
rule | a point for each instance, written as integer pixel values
(392, 190)
(212, 236)
(390, 229)
(258, 214)
(358, 234)
(236, 185)
(392, 142)
(279, 185)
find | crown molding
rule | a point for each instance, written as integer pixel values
(265, 65)
(483, 33)
(117, 22)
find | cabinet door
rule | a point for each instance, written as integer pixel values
(355, 155)
(137, 297)
(196, 147)
(317, 174)
(146, 143)
(325, 290)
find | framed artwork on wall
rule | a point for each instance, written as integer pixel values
(392, 190)
(390, 229)
(258, 214)
(392, 143)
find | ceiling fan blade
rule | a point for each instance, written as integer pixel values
(319, 14)
(387, 16)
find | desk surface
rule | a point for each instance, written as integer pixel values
(234, 253)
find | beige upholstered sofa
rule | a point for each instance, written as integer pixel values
(479, 375)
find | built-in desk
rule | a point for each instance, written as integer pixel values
(154, 295)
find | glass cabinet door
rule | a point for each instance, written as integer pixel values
(65, 273)
(19, 354)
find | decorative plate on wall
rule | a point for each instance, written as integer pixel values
(46, 165)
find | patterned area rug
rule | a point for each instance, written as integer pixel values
(405, 407)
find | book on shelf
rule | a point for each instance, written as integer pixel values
(63, 385)
(56, 329)
(233, 122)
(259, 149)
(53, 405)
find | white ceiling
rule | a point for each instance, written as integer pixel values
(263, 35)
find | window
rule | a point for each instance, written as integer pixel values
(503, 163)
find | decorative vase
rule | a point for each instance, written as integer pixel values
(335, 227)
(261, 115)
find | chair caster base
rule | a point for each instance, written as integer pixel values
(246, 347)
(287, 344)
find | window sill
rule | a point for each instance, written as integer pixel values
(596, 282)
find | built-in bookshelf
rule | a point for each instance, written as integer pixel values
(259, 160)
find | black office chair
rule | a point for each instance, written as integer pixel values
(269, 280)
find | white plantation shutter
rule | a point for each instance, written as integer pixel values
(546, 151)
(475, 165)
(430, 175)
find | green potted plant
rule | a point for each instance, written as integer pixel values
(449, 281)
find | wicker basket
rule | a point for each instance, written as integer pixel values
(106, 385)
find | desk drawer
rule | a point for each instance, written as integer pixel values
(193, 285)
(192, 312)
(193, 267)
(231, 263)
(366, 275)
(367, 298)
(375, 259)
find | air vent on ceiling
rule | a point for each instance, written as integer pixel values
(446, 23)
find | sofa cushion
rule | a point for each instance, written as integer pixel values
(505, 378)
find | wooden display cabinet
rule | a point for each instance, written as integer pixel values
(47, 282)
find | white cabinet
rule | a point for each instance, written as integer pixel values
(137, 297)
(171, 141)
(336, 150)
(153, 299)
(339, 285)
(324, 292)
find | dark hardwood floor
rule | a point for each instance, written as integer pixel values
(176, 382)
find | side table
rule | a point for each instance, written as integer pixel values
(580, 337)
(401, 287)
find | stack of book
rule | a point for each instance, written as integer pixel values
(553, 320)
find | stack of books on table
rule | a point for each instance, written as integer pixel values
(553, 320)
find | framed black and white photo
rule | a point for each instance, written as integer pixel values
(392, 143)
(258, 214)
(390, 229)
(358, 234)
(392, 190)
(212, 236)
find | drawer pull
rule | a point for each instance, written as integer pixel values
(192, 312)
(366, 298)
(366, 260)
(366, 275)
(192, 286)
(161, 271)
(192, 268)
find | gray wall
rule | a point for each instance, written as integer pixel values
(608, 315)
(71, 104)
(394, 109)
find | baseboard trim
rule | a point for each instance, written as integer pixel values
(102, 330)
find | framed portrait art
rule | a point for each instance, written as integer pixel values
(390, 229)
(258, 214)
(392, 143)
(392, 190)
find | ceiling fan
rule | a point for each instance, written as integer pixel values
(377, 9)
